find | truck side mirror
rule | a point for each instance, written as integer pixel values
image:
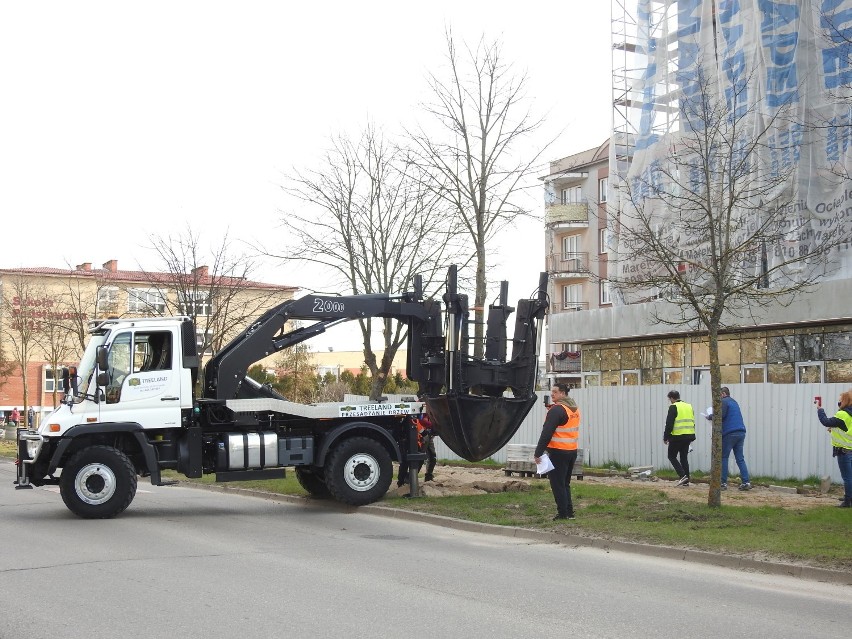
(102, 379)
(101, 358)
(69, 381)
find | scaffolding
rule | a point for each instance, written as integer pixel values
(644, 76)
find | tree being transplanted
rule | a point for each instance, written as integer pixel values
(480, 109)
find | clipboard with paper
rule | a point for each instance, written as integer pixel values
(545, 465)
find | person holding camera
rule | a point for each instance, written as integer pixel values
(560, 436)
(840, 427)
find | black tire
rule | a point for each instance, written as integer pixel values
(358, 471)
(313, 482)
(98, 483)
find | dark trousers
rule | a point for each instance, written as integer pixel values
(431, 455)
(560, 479)
(679, 449)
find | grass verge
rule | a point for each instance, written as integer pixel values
(811, 536)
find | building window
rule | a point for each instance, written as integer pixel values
(107, 300)
(146, 301)
(571, 297)
(591, 379)
(754, 373)
(570, 246)
(672, 376)
(630, 378)
(196, 304)
(809, 373)
(700, 375)
(572, 195)
(603, 185)
(603, 240)
(204, 341)
(605, 292)
(49, 383)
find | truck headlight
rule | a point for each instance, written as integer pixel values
(33, 448)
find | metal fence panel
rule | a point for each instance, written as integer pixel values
(624, 424)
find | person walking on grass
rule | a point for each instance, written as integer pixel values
(678, 435)
(840, 427)
(560, 436)
(733, 438)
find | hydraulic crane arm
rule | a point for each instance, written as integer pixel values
(477, 404)
(225, 372)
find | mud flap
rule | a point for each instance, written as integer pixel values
(475, 427)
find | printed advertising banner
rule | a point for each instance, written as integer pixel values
(783, 71)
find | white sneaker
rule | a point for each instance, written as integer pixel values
(683, 481)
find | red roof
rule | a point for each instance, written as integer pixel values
(116, 275)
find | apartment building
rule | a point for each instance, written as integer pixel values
(45, 311)
(660, 49)
(576, 238)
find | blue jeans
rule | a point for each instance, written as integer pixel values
(844, 462)
(734, 441)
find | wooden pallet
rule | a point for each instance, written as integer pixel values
(525, 468)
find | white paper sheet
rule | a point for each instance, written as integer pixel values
(545, 465)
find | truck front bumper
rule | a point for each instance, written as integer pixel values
(30, 446)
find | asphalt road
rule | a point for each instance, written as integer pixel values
(188, 563)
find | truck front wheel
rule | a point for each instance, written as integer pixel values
(359, 471)
(98, 483)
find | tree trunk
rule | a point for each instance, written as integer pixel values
(714, 494)
(479, 304)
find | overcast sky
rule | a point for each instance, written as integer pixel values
(121, 120)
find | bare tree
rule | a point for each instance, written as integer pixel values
(710, 223)
(213, 288)
(90, 294)
(481, 116)
(7, 367)
(57, 344)
(24, 306)
(371, 221)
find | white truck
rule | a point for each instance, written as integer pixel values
(132, 407)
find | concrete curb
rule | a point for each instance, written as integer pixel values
(566, 539)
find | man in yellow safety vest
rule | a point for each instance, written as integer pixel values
(679, 434)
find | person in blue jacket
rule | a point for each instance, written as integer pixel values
(733, 438)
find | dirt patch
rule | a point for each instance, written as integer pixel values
(458, 480)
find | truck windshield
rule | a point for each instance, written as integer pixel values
(86, 369)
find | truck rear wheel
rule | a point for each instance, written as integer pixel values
(359, 471)
(98, 483)
(313, 482)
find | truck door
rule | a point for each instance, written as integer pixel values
(144, 379)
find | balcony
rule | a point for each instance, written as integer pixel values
(562, 264)
(568, 307)
(564, 362)
(567, 215)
